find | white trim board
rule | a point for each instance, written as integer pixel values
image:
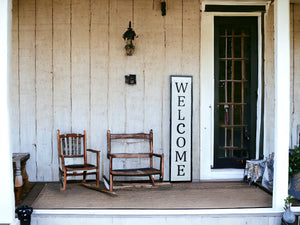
(156, 212)
(207, 96)
(236, 2)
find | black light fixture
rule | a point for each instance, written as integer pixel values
(163, 7)
(128, 36)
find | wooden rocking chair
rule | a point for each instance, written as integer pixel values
(70, 146)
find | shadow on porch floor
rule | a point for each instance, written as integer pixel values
(195, 195)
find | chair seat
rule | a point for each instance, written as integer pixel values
(80, 167)
(135, 172)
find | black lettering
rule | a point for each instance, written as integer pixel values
(181, 87)
(182, 144)
(179, 115)
(181, 170)
(178, 126)
(183, 156)
(181, 101)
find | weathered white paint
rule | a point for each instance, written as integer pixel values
(206, 217)
(282, 102)
(69, 68)
(99, 84)
(269, 83)
(206, 95)
(6, 189)
(61, 76)
(150, 220)
(295, 74)
(27, 84)
(43, 71)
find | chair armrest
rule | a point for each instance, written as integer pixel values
(92, 150)
(158, 155)
(110, 157)
(161, 156)
(98, 155)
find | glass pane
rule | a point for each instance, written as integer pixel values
(237, 92)
(222, 42)
(229, 31)
(229, 70)
(221, 115)
(237, 115)
(237, 47)
(246, 32)
(228, 137)
(222, 70)
(221, 136)
(238, 31)
(238, 70)
(229, 85)
(229, 47)
(237, 137)
(221, 91)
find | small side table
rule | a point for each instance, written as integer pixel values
(20, 175)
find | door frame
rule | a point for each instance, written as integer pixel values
(207, 98)
(251, 84)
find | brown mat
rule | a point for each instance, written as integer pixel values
(173, 196)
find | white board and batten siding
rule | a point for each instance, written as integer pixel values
(68, 71)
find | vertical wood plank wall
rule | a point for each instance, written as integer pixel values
(68, 67)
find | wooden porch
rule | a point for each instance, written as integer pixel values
(195, 195)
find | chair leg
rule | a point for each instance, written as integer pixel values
(152, 180)
(60, 177)
(97, 178)
(110, 183)
(64, 180)
(84, 177)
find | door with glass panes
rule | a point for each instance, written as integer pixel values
(235, 72)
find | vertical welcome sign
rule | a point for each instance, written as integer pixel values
(181, 128)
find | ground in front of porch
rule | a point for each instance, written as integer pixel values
(195, 195)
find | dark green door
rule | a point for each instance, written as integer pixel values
(235, 90)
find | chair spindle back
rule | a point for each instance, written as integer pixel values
(72, 145)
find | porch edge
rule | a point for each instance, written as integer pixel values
(161, 212)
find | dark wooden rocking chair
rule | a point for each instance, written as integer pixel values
(73, 145)
(146, 170)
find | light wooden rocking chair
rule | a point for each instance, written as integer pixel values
(73, 145)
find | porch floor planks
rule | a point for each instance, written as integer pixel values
(200, 195)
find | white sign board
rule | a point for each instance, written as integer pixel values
(181, 128)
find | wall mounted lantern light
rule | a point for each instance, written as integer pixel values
(129, 38)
